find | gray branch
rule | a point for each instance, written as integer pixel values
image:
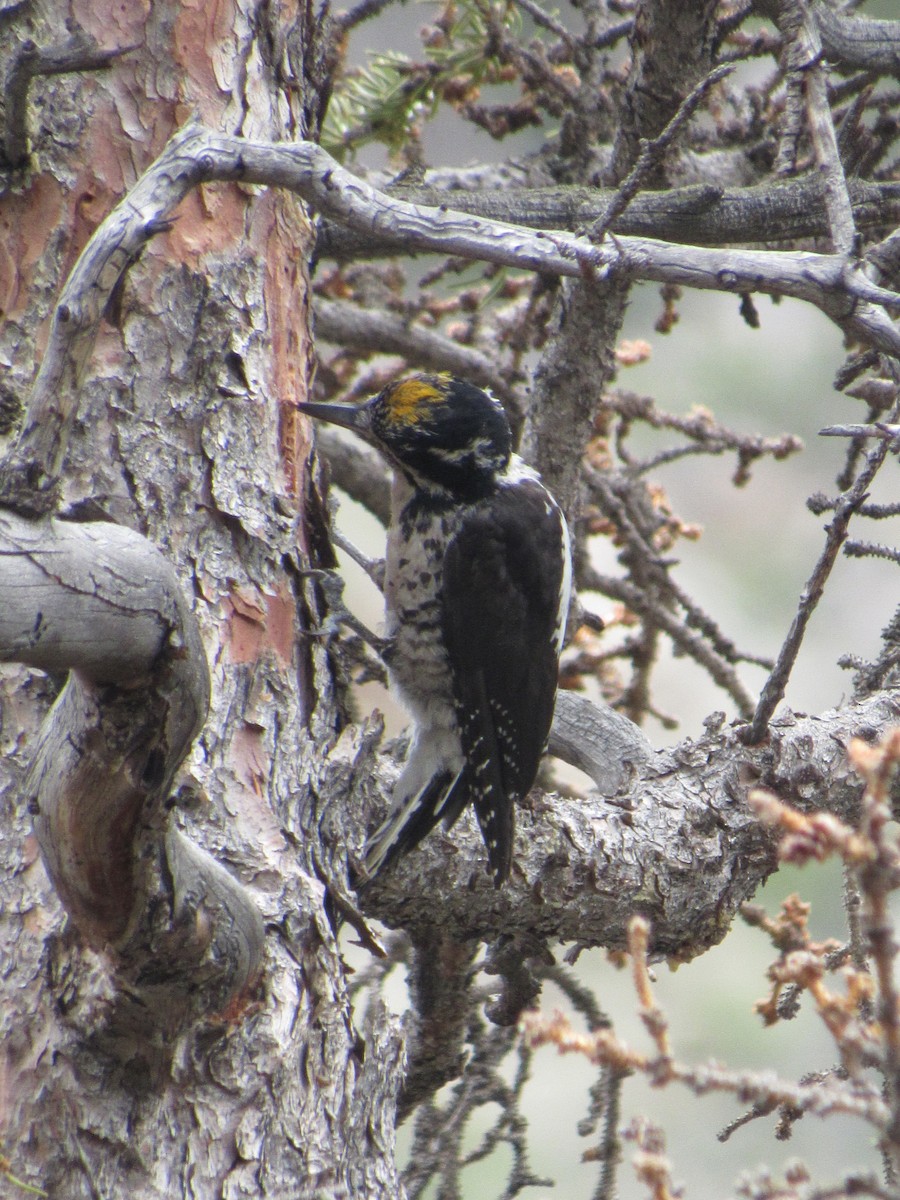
(100, 602)
(859, 43)
(358, 471)
(28, 480)
(363, 329)
(665, 845)
(804, 58)
(28, 60)
(88, 598)
(599, 741)
(699, 214)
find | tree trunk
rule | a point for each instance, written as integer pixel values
(125, 1075)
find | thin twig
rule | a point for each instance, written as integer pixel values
(629, 524)
(363, 11)
(690, 643)
(762, 1088)
(652, 152)
(880, 429)
(871, 550)
(609, 1151)
(611, 34)
(531, 61)
(547, 21)
(836, 533)
(708, 436)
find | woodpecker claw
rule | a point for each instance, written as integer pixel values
(338, 614)
(373, 567)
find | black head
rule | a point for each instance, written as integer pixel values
(442, 432)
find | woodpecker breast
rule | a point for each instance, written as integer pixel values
(417, 542)
(477, 580)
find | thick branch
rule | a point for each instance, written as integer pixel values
(858, 43)
(701, 214)
(678, 844)
(92, 598)
(28, 478)
(599, 741)
(439, 983)
(100, 602)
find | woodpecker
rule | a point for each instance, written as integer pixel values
(476, 586)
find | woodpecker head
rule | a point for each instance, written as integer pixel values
(443, 433)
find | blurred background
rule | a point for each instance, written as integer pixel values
(758, 546)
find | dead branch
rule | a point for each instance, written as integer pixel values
(832, 283)
(100, 602)
(698, 214)
(669, 837)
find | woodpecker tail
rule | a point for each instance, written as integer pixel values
(443, 797)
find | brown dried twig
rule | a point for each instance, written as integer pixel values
(604, 1046)
(864, 1020)
(878, 877)
(706, 434)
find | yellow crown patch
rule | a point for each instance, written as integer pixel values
(409, 400)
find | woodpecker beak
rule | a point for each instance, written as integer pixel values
(349, 416)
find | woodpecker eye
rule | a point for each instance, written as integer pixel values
(443, 430)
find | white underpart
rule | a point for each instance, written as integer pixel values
(429, 747)
(418, 669)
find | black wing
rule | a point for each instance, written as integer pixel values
(504, 575)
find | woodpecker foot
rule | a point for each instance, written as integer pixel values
(373, 567)
(338, 614)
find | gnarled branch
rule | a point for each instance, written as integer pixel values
(97, 600)
(831, 282)
(665, 845)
